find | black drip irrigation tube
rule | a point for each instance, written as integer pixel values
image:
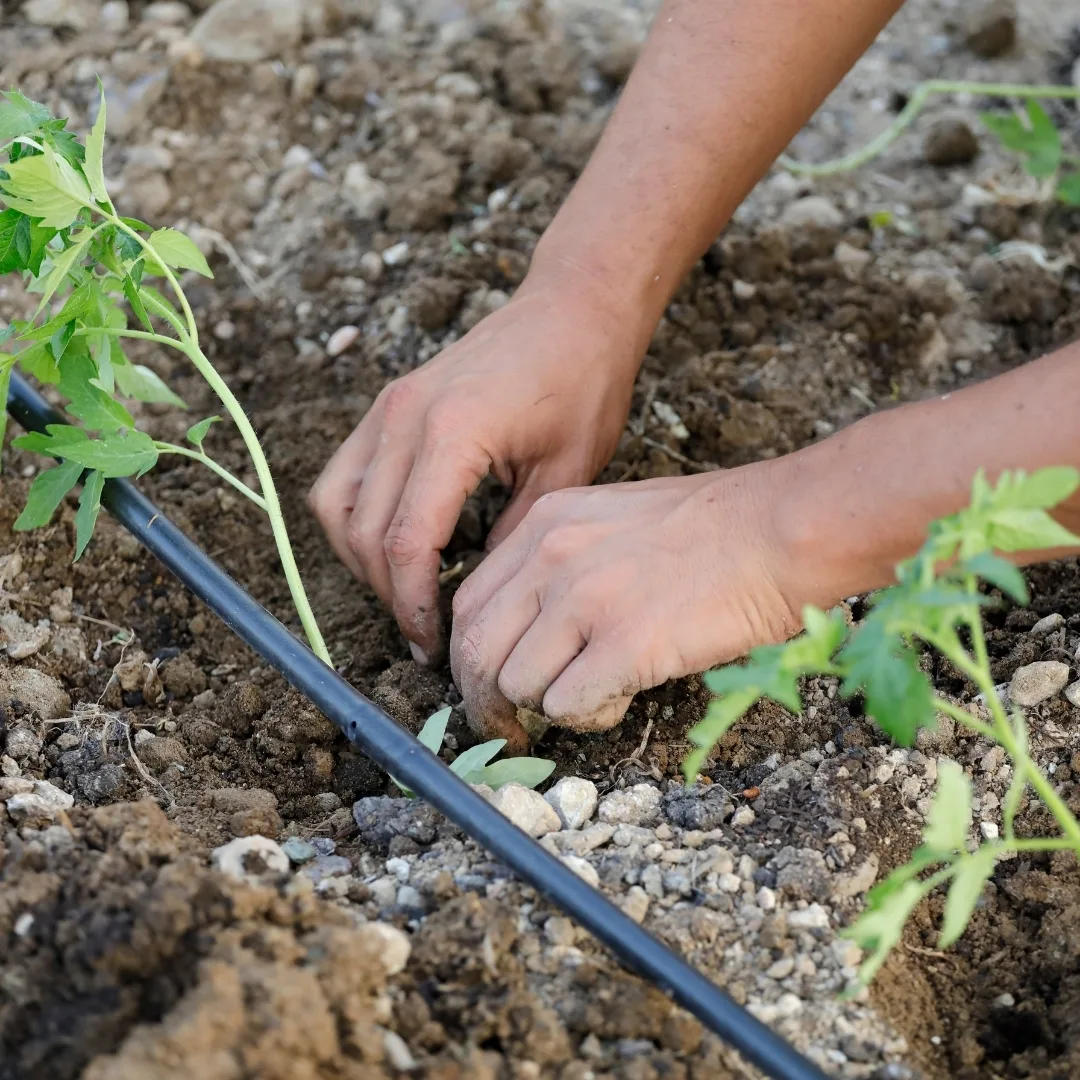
(397, 751)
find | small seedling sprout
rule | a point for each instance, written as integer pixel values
(937, 600)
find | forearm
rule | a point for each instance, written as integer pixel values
(859, 502)
(719, 90)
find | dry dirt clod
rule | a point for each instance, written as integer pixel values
(950, 141)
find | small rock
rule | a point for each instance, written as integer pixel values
(743, 290)
(398, 1053)
(1037, 682)
(391, 945)
(765, 898)
(1004, 1001)
(1072, 694)
(812, 211)
(247, 31)
(990, 27)
(115, 16)
(158, 754)
(326, 866)
(636, 903)
(989, 830)
(234, 800)
(39, 807)
(858, 881)
(15, 785)
(813, 917)
(631, 806)
(22, 639)
(9, 766)
(574, 800)
(299, 851)
(742, 817)
(328, 802)
(371, 266)
(853, 261)
(950, 141)
(729, 883)
(1047, 625)
(584, 869)
(366, 195)
(397, 254)
(343, 338)
(23, 744)
(250, 858)
(782, 968)
(166, 13)
(527, 809)
(57, 14)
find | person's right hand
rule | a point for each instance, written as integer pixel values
(537, 395)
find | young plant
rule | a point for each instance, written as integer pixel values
(93, 270)
(475, 765)
(1033, 136)
(936, 601)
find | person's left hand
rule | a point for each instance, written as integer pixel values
(604, 591)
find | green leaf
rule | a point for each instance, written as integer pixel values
(178, 251)
(87, 514)
(972, 873)
(434, 730)
(475, 758)
(1037, 140)
(142, 384)
(32, 240)
(64, 142)
(7, 364)
(38, 361)
(999, 573)
(138, 308)
(20, 116)
(46, 493)
(59, 342)
(75, 307)
(526, 771)
(10, 256)
(719, 718)
(158, 304)
(129, 248)
(1041, 490)
(47, 187)
(195, 435)
(1028, 530)
(62, 264)
(1068, 190)
(95, 153)
(114, 454)
(96, 409)
(898, 695)
(950, 815)
(879, 928)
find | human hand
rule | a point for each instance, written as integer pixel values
(601, 592)
(537, 394)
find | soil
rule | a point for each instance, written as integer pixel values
(141, 960)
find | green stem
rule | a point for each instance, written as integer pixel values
(210, 463)
(251, 442)
(911, 110)
(141, 335)
(962, 716)
(1041, 844)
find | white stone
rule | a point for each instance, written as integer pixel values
(166, 13)
(989, 830)
(343, 338)
(22, 639)
(23, 925)
(584, 869)
(526, 809)
(782, 968)
(397, 1052)
(396, 254)
(23, 744)
(814, 917)
(366, 195)
(765, 898)
(115, 16)
(1047, 625)
(1035, 683)
(399, 868)
(852, 260)
(72, 14)
(55, 797)
(729, 883)
(636, 903)
(390, 944)
(743, 816)
(1072, 694)
(812, 211)
(743, 290)
(260, 853)
(574, 800)
(631, 806)
(247, 31)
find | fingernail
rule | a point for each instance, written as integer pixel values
(418, 654)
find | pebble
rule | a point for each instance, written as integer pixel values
(782, 968)
(23, 744)
(584, 869)
(743, 290)
(636, 903)
(1035, 683)
(23, 639)
(1047, 625)
(299, 851)
(247, 31)
(398, 1053)
(574, 800)
(527, 809)
(115, 16)
(630, 806)
(990, 27)
(813, 917)
(69, 14)
(391, 945)
(765, 898)
(342, 339)
(1072, 694)
(949, 141)
(250, 858)
(743, 816)
(729, 883)
(853, 261)
(989, 830)
(397, 254)
(327, 866)
(366, 195)
(812, 211)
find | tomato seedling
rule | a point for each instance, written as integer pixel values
(937, 600)
(1034, 136)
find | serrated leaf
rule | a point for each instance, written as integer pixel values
(95, 154)
(87, 514)
(949, 819)
(972, 873)
(20, 116)
(999, 573)
(195, 435)
(1028, 530)
(475, 758)
(879, 928)
(95, 408)
(129, 249)
(32, 240)
(10, 256)
(1041, 490)
(75, 307)
(1068, 189)
(138, 309)
(64, 142)
(1037, 139)
(7, 365)
(62, 264)
(38, 361)
(46, 493)
(179, 251)
(721, 715)
(434, 730)
(142, 384)
(526, 771)
(47, 187)
(60, 340)
(114, 455)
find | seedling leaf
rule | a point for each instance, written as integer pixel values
(971, 876)
(95, 154)
(114, 454)
(950, 815)
(879, 928)
(46, 493)
(999, 573)
(142, 384)
(178, 251)
(87, 514)
(434, 730)
(20, 116)
(90, 403)
(10, 256)
(1068, 190)
(46, 186)
(195, 435)
(475, 758)
(526, 771)
(7, 363)
(61, 267)
(1037, 140)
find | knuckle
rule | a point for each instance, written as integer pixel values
(471, 646)
(361, 540)
(443, 421)
(401, 545)
(396, 397)
(462, 602)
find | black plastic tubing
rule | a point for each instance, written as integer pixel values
(397, 751)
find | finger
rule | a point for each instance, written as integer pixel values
(333, 495)
(544, 651)
(535, 486)
(478, 650)
(595, 689)
(492, 574)
(374, 508)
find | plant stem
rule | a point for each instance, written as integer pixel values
(962, 716)
(210, 463)
(142, 335)
(1041, 843)
(190, 346)
(911, 110)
